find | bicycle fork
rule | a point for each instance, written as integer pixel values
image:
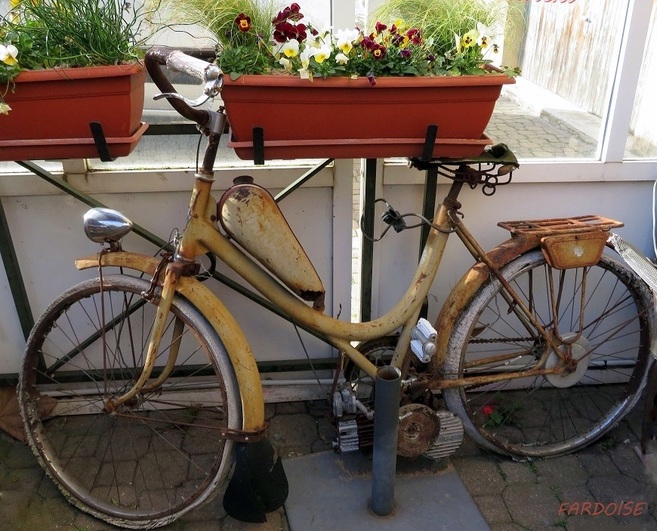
(172, 275)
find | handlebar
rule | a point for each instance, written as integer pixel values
(178, 61)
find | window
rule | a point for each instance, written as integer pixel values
(642, 135)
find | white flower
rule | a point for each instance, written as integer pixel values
(341, 59)
(290, 48)
(285, 63)
(484, 40)
(345, 39)
(4, 108)
(9, 54)
(322, 54)
(305, 56)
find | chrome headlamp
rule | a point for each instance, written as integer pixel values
(104, 225)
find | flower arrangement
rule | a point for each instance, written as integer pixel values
(251, 42)
(38, 34)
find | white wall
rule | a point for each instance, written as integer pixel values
(46, 229)
(397, 254)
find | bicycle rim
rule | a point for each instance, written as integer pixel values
(603, 323)
(158, 455)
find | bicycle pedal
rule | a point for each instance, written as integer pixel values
(449, 438)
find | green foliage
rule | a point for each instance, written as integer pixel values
(254, 38)
(441, 19)
(70, 33)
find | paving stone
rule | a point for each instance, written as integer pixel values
(493, 509)
(48, 489)
(210, 511)
(326, 432)
(6, 442)
(13, 504)
(21, 456)
(617, 488)
(468, 448)
(597, 463)
(507, 527)
(318, 408)
(86, 522)
(270, 411)
(42, 514)
(566, 470)
(479, 474)
(274, 523)
(627, 461)
(574, 494)
(293, 434)
(290, 408)
(22, 478)
(532, 505)
(514, 472)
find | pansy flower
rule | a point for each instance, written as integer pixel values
(9, 54)
(243, 22)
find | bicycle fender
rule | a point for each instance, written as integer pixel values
(469, 284)
(227, 328)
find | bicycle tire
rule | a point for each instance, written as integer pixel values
(160, 454)
(544, 416)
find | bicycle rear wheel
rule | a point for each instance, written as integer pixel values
(160, 454)
(602, 312)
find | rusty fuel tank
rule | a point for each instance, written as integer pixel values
(249, 214)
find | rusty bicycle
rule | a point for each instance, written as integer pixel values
(140, 393)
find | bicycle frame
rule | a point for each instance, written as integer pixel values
(202, 236)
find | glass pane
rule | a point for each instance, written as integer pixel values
(642, 137)
(179, 150)
(568, 53)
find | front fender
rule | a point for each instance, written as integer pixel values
(227, 328)
(469, 284)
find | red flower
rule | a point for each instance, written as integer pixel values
(380, 27)
(379, 51)
(291, 12)
(488, 410)
(243, 22)
(414, 35)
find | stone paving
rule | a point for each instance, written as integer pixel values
(539, 135)
(605, 486)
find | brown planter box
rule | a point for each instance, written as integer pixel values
(52, 110)
(350, 118)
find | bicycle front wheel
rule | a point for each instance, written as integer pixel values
(600, 319)
(156, 456)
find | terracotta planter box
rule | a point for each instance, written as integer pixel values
(349, 118)
(52, 110)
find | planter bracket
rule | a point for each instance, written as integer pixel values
(101, 142)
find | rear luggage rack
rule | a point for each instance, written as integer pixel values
(547, 227)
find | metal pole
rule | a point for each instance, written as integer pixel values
(386, 423)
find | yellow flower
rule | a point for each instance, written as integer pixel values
(470, 38)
